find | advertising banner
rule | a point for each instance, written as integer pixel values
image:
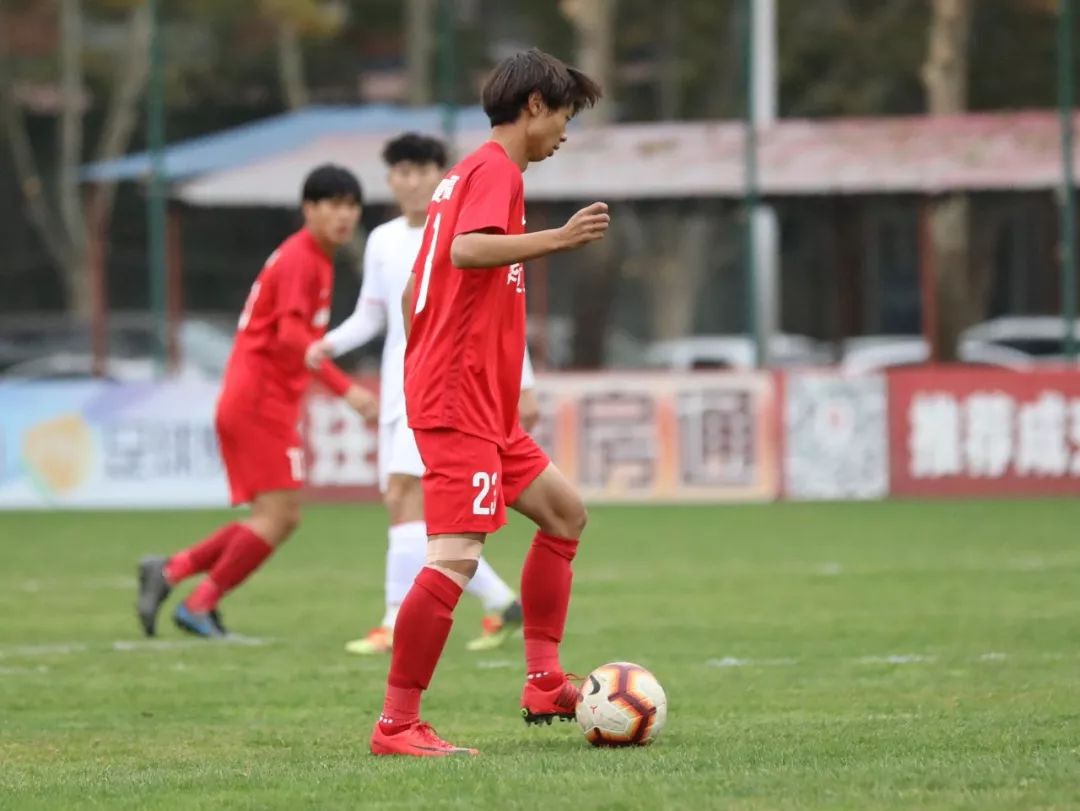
(619, 437)
(98, 444)
(984, 432)
(836, 437)
(662, 437)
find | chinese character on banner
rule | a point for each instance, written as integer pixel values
(716, 437)
(126, 451)
(1074, 435)
(934, 438)
(1041, 437)
(340, 446)
(988, 443)
(618, 445)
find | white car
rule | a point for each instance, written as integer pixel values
(734, 352)
(873, 353)
(1042, 337)
(59, 351)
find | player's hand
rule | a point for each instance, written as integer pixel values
(363, 402)
(528, 409)
(587, 225)
(316, 353)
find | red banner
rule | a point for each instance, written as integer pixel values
(976, 432)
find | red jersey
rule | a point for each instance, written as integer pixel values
(263, 374)
(467, 337)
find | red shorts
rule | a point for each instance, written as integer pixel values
(468, 481)
(259, 455)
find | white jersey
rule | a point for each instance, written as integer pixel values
(388, 263)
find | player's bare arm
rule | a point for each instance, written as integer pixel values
(482, 249)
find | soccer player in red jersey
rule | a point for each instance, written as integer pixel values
(462, 380)
(259, 408)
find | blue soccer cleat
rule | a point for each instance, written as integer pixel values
(206, 624)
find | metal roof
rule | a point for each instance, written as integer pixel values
(267, 137)
(914, 154)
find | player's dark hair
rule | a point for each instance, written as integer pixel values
(330, 181)
(507, 89)
(415, 148)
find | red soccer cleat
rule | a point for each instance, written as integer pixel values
(544, 706)
(415, 740)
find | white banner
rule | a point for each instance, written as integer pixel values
(837, 438)
(97, 444)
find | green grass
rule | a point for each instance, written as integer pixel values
(771, 628)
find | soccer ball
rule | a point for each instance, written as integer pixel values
(622, 704)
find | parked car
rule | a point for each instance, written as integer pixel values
(53, 346)
(734, 352)
(872, 353)
(1041, 337)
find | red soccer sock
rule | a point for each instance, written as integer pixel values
(205, 597)
(423, 624)
(245, 553)
(200, 557)
(545, 599)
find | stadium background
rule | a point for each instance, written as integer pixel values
(842, 268)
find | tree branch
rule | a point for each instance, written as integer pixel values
(291, 66)
(22, 156)
(71, 120)
(120, 120)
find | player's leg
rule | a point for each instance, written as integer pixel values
(400, 469)
(502, 609)
(264, 463)
(462, 503)
(423, 625)
(274, 517)
(158, 575)
(555, 507)
(406, 550)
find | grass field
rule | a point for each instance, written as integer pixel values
(899, 655)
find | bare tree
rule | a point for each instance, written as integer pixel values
(594, 22)
(945, 77)
(294, 20)
(419, 22)
(290, 58)
(63, 225)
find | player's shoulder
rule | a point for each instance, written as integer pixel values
(487, 164)
(490, 156)
(297, 253)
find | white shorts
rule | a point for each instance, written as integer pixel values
(398, 452)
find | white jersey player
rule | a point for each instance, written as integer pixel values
(416, 165)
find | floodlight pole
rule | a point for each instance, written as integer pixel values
(1067, 203)
(447, 71)
(155, 201)
(760, 230)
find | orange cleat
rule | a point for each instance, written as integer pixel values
(544, 706)
(379, 640)
(415, 740)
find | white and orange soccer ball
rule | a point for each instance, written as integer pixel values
(622, 704)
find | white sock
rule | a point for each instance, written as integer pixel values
(404, 558)
(490, 588)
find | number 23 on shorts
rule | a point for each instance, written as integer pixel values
(486, 484)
